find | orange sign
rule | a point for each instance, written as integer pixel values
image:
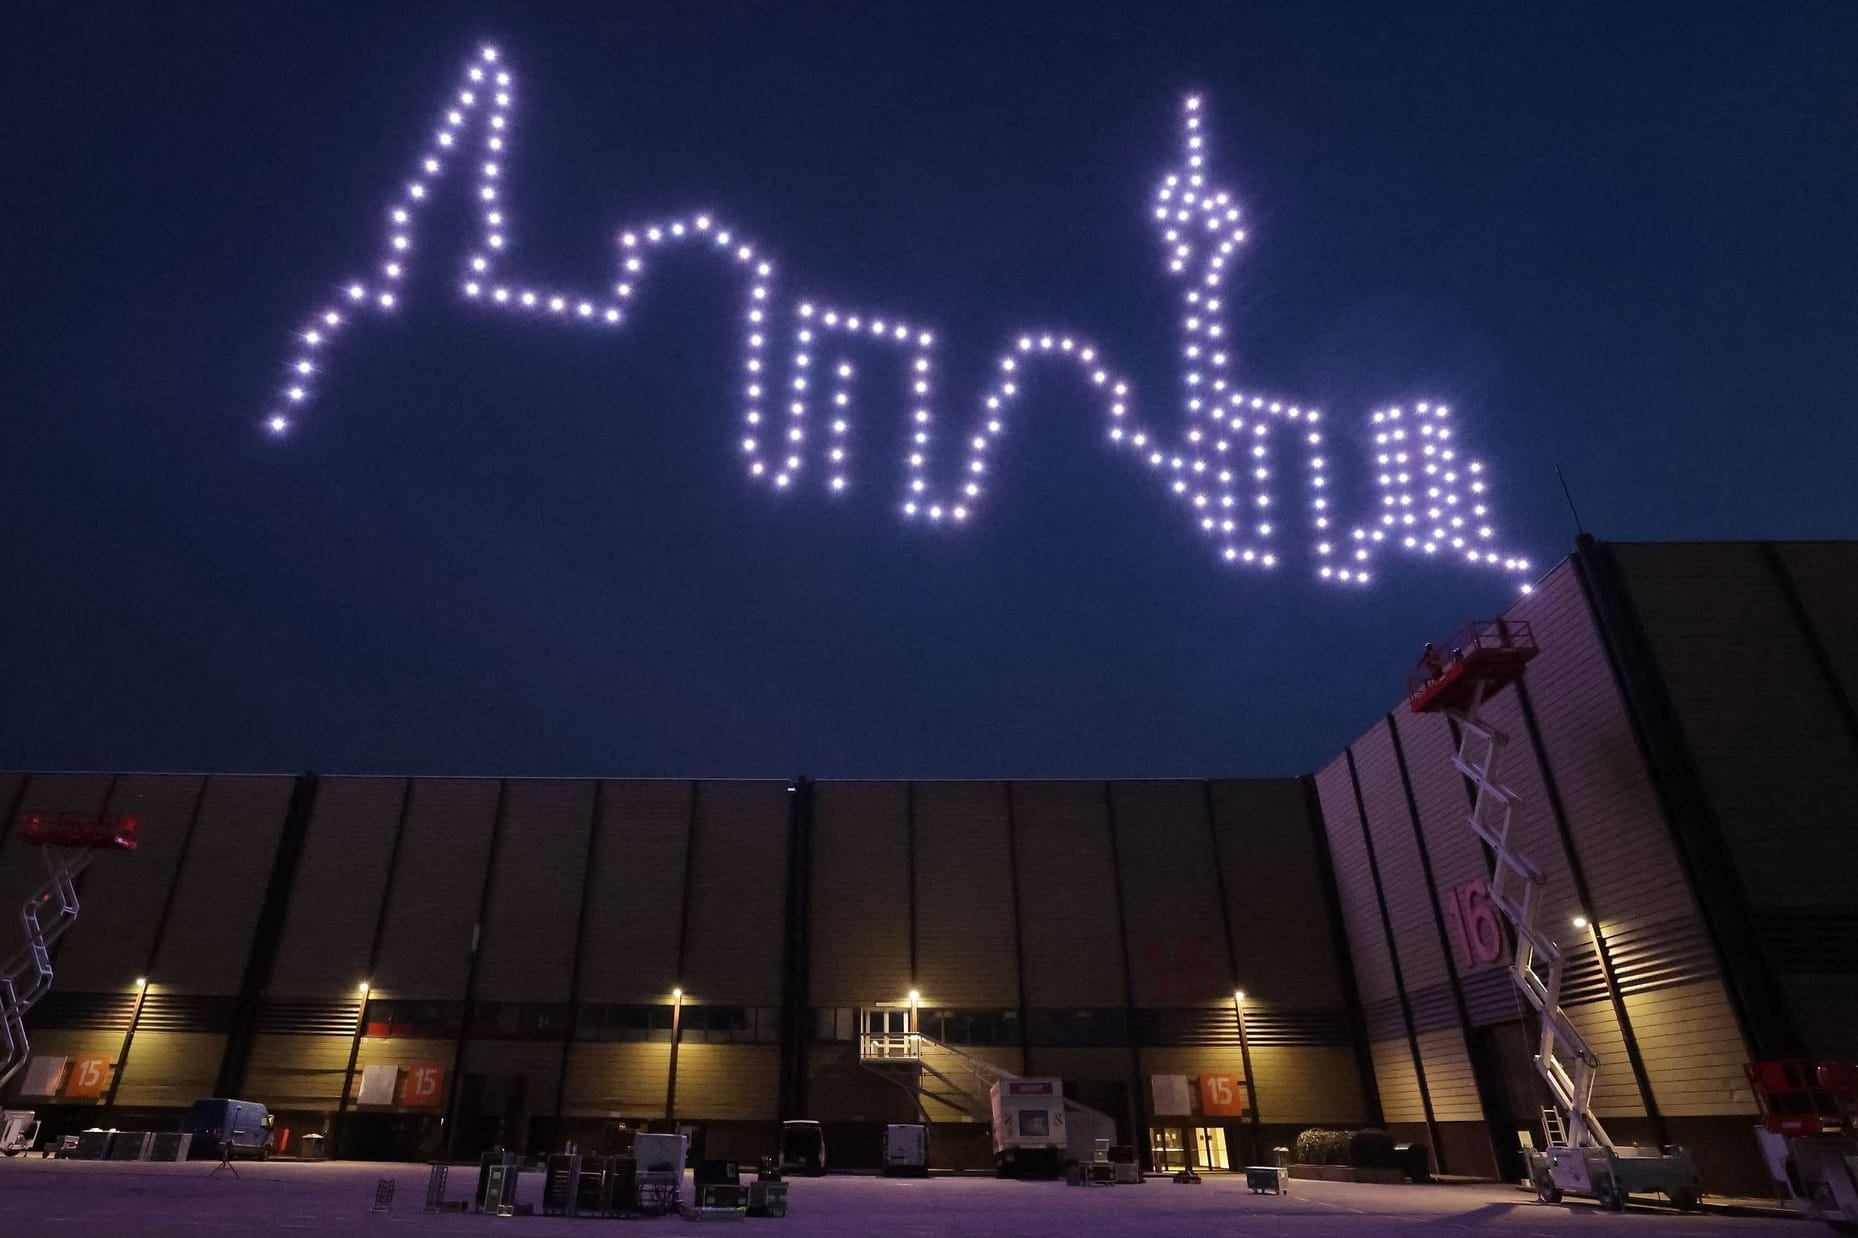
(1222, 1096)
(88, 1077)
(423, 1086)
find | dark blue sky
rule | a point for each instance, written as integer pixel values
(1617, 238)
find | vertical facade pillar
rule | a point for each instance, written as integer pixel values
(266, 935)
(1393, 959)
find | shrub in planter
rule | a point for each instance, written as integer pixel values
(1372, 1149)
(1321, 1147)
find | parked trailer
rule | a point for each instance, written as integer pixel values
(1029, 1128)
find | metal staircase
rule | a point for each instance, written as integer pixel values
(68, 844)
(945, 1084)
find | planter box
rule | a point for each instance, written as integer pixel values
(1346, 1173)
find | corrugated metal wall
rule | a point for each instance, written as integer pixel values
(635, 905)
(861, 894)
(966, 935)
(430, 926)
(1404, 1100)
(1762, 679)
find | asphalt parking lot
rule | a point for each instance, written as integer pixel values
(40, 1198)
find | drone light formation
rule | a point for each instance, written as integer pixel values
(801, 420)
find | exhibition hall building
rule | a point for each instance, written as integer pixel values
(423, 966)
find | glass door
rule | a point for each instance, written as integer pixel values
(1211, 1142)
(1169, 1153)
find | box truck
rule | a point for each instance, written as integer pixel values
(1028, 1127)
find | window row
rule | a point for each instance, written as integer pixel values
(760, 1025)
(552, 1021)
(1053, 1026)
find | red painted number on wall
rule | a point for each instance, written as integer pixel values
(88, 1077)
(1474, 923)
(1222, 1096)
(422, 1085)
(1180, 970)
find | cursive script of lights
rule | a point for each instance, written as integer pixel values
(1220, 469)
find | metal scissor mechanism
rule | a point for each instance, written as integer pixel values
(68, 841)
(1479, 661)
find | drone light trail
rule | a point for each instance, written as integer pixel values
(800, 362)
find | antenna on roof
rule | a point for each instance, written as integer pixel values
(1569, 496)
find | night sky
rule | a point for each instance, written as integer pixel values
(1620, 239)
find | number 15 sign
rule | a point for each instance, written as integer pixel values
(423, 1085)
(1222, 1096)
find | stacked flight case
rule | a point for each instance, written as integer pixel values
(592, 1186)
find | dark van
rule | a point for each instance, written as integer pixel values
(243, 1125)
(803, 1148)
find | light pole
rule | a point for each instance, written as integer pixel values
(122, 1058)
(1245, 1059)
(1634, 1058)
(677, 1034)
(337, 1140)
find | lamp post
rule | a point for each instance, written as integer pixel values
(1634, 1057)
(1245, 1059)
(122, 1057)
(336, 1140)
(677, 1035)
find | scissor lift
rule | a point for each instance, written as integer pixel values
(1809, 1135)
(69, 841)
(1479, 661)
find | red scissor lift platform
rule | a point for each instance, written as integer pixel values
(113, 832)
(1809, 1134)
(1478, 661)
(1801, 1098)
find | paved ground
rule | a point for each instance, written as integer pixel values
(41, 1199)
